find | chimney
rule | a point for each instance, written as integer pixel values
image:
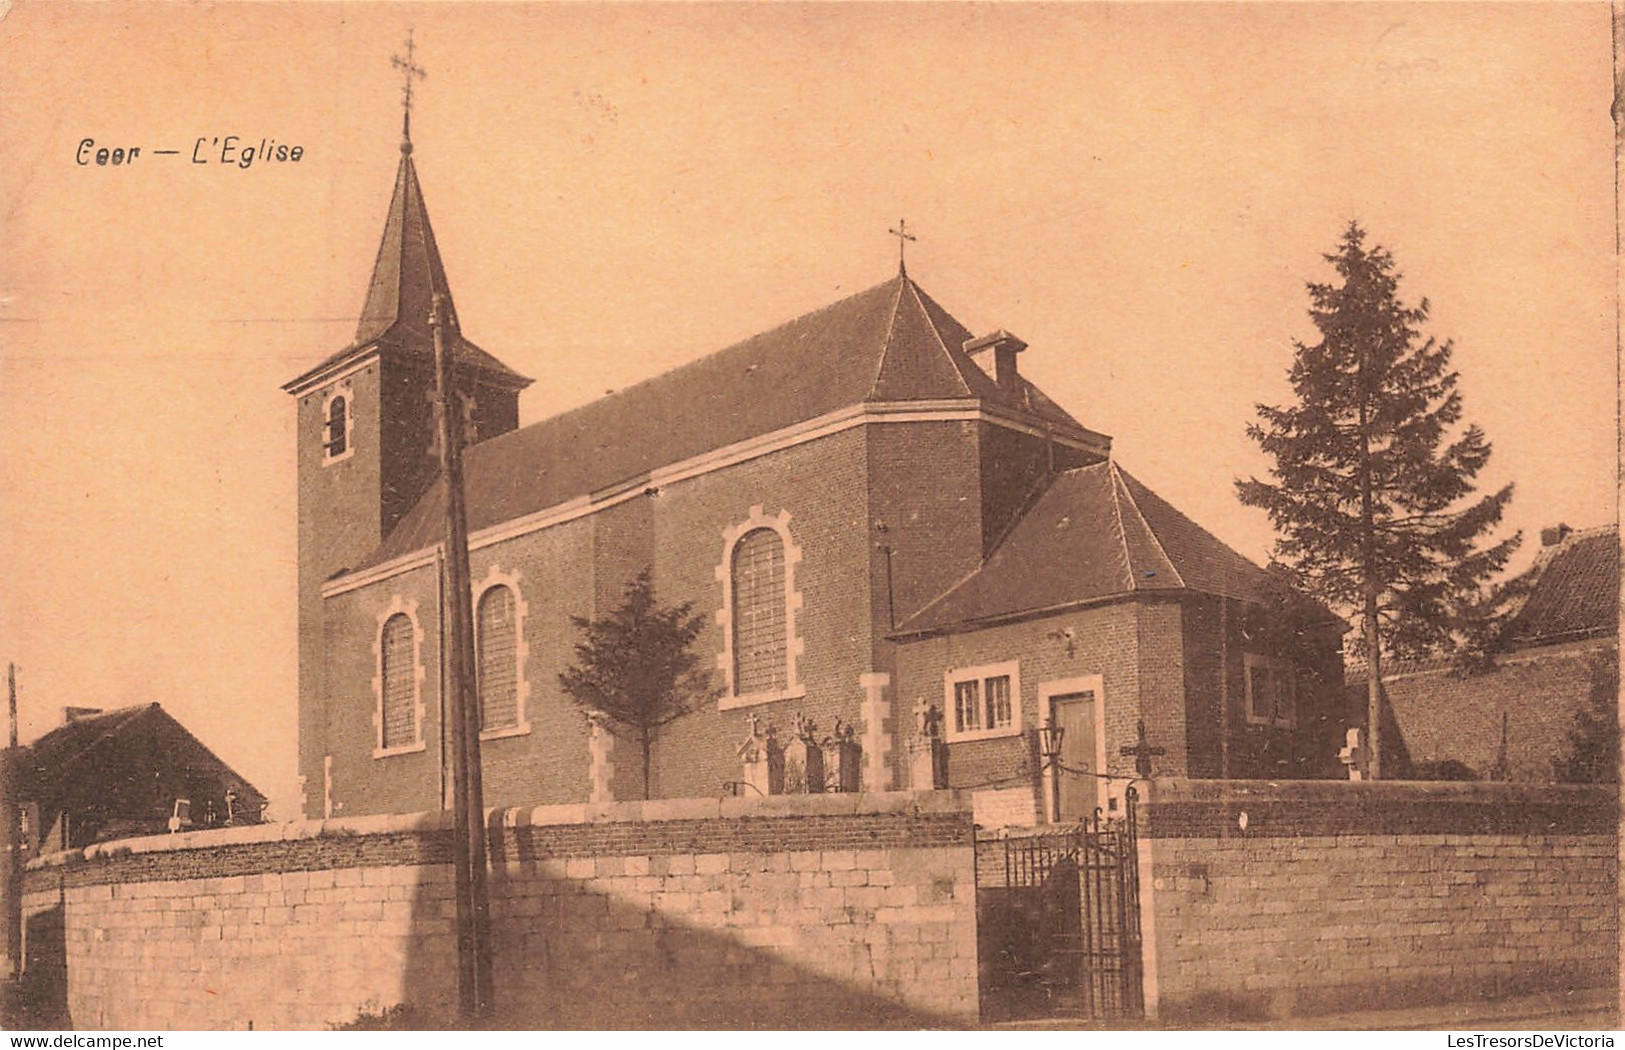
(76, 714)
(1551, 537)
(1000, 349)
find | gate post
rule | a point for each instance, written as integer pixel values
(1146, 895)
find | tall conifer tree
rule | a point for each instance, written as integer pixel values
(1372, 478)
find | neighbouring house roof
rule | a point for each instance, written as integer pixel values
(406, 276)
(891, 343)
(1570, 594)
(93, 758)
(1097, 533)
(1575, 592)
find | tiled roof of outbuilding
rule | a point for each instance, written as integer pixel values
(1097, 533)
(72, 758)
(1576, 592)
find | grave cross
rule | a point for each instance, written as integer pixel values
(1142, 752)
(927, 719)
(408, 69)
(903, 236)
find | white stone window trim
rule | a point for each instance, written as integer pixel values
(1096, 685)
(981, 673)
(495, 577)
(1284, 670)
(793, 646)
(347, 392)
(397, 606)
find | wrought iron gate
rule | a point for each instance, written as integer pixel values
(1058, 921)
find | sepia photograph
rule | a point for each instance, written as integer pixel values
(809, 516)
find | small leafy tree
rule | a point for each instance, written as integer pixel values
(1593, 751)
(637, 665)
(1369, 492)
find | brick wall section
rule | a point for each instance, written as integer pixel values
(924, 485)
(813, 911)
(1162, 685)
(339, 523)
(820, 484)
(580, 568)
(1014, 467)
(1105, 642)
(1338, 894)
(1445, 715)
(1205, 666)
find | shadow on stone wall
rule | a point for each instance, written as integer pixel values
(41, 995)
(570, 956)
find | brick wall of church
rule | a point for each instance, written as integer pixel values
(346, 507)
(547, 764)
(338, 526)
(1227, 745)
(1105, 640)
(581, 567)
(924, 486)
(1014, 465)
(1160, 661)
(821, 485)
(1163, 705)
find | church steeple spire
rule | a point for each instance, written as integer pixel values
(408, 273)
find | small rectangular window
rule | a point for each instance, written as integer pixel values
(1260, 707)
(1271, 691)
(998, 701)
(982, 701)
(966, 708)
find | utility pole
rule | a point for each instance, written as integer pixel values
(11, 852)
(474, 979)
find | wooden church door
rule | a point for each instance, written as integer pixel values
(1079, 794)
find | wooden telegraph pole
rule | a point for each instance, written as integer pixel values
(11, 853)
(474, 984)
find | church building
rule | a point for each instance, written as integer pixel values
(884, 521)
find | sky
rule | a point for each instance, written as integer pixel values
(1138, 191)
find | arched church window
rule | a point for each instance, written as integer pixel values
(398, 683)
(761, 604)
(338, 417)
(496, 666)
(759, 610)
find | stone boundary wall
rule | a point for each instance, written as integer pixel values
(1334, 895)
(824, 911)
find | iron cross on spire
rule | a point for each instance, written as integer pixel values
(903, 236)
(408, 69)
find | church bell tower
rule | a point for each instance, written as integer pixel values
(366, 428)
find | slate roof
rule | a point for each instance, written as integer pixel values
(1576, 591)
(405, 277)
(1097, 533)
(892, 342)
